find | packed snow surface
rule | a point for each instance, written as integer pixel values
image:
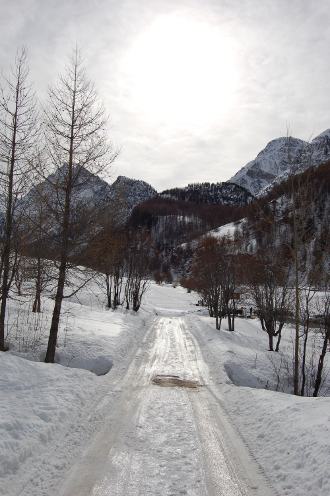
(68, 431)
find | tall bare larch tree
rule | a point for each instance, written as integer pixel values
(76, 141)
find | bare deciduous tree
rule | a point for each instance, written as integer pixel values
(228, 290)
(137, 269)
(324, 309)
(306, 297)
(208, 275)
(269, 284)
(18, 130)
(75, 142)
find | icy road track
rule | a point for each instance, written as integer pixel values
(166, 440)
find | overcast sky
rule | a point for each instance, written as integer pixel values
(195, 88)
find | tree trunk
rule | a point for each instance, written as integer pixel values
(128, 291)
(4, 293)
(217, 324)
(8, 232)
(211, 310)
(52, 341)
(318, 379)
(136, 301)
(117, 284)
(233, 316)
(271, 341)
(303, 364)
(262, 322)
(36, 308)
(297, 302)
(108, 284)
(50, 355)
(279, 337)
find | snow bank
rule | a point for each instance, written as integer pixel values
(289, 436)
(99, 365)
(39, 403)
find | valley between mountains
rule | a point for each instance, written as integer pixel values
(164, 342)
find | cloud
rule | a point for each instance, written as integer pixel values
(281, 53)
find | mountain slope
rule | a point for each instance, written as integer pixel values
(269, 221)
(90, 193)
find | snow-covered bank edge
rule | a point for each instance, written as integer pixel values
(288, 436)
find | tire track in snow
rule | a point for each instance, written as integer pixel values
(257, 480)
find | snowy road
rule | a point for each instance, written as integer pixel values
(166, 440)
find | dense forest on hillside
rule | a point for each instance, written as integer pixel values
(211, 193)
(176, 221)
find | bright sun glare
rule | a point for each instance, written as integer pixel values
(181, 73)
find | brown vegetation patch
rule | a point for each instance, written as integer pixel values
(174, 381)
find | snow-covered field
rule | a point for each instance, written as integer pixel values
(172, 439)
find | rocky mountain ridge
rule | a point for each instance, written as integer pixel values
(90, 192)
(131, 191)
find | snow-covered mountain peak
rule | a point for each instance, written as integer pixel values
(280, 158)
(124, 180)
(281, 144)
